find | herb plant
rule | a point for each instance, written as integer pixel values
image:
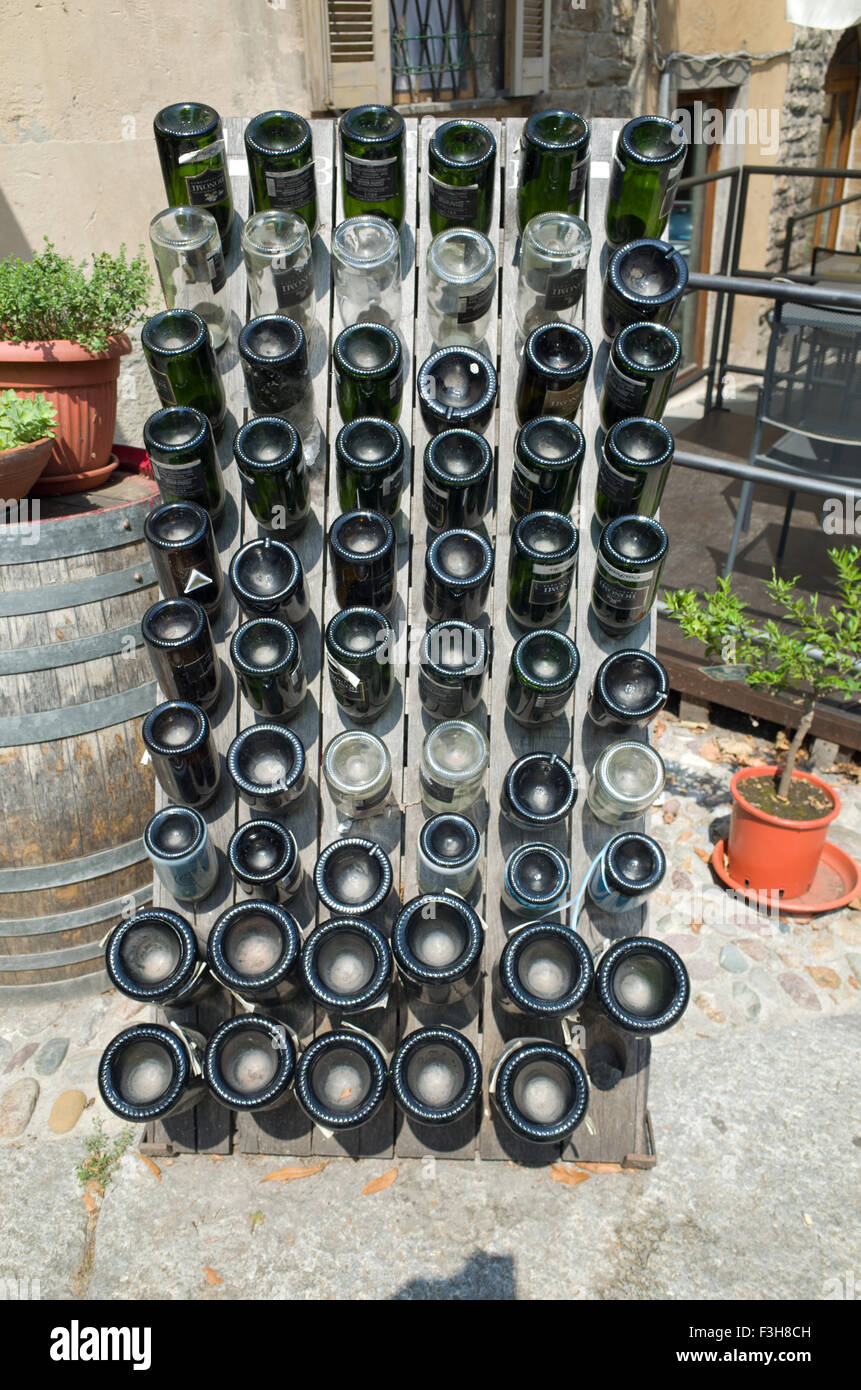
(24, 419)
(53, 296)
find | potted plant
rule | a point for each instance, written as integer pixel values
(780, 815)
(27, 426)
(62, 332)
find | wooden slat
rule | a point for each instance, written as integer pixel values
(615, 1122)
(457, 1140)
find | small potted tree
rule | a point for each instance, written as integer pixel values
(27, 426)
(62, 333)
(780, 815)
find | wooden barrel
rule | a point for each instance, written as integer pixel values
(75, 680)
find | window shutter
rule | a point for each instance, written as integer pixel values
(527, 47)
(347, 52)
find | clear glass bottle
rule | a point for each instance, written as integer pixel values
(358, 772)
(276, 248)
(186, 248)
(454, 761)
(461, 279)
(366, 262)
(554, 255)
(625, 781)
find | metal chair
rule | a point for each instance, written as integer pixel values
(811, 390)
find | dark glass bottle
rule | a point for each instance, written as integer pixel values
(458, 477)
(539, 789)
(634, 467)
(642, 985)
(643, 283)
(184, 554)
(545, 971)
(373, 162)
(179, 642)
(544, 666)
(630, 688)
(541, 568)
(268, 454)
(191, 150)
(364, 561)
(153, 957)
(458, 575)
(323, 1067)
(556, 362)
(367, 360)
(353, 877)
(554, 160)
(462, 171)
(269, 668)
(181, 361)
(435, 1076)
(146, 1073)
(268, 581)
(274, 355)
(264, 859)
(437, 941)
(178, 738)
(359, 644)
(267, 766)
(640, 372)
(456, 387)
(182, 854)
(646, 168)
(631, 867)
(452, 665)
(631, 554)
(183, 458)
(347, 966)
(249, 1064)
(548, 458)
(280, 156)
(253, 950)
(369, 466)
(551, 1071)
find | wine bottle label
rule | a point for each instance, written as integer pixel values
(564, 290)
(292, 286)
(186, 479)
(343, 678)
(620, 590)
(196, 580)
(543, 700)
(198, 674)
(616, 485)
(565, 401)
(217, 270)
(206, 188)
(371, 180)
(434, 500)
(459, 204)
(163, 385)
(551, 570)
(523, 485)
(548, 590)
(393, 483)
(471, 307)
(291, 188)
(625, 391)
(396, 386)
(435, 789)
(670, 194)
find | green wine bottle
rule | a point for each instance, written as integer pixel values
(640, 371)
(181, 360)
(633, 470)
(462, 171)
(372, 162)
(280, 156)
(181, 452)
(190, 143)
(554, 160)
(644, 175)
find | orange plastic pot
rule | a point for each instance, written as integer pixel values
(768, 853)
(83, 387)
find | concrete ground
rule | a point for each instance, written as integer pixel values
(753, 1100)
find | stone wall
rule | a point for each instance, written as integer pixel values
(599, 56)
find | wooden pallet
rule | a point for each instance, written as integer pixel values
(616, 1127)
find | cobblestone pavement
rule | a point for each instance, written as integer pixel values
(751, 1098)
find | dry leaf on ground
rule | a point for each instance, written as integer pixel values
(559, 1173)
(379, 1184)
(211, 1276)
(153, 1167)
(702, 854)
(290, 1174)
(710, 751)
(601, 1167)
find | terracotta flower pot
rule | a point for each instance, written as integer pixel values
(20, 467)
(768, 853)
(83, 387)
